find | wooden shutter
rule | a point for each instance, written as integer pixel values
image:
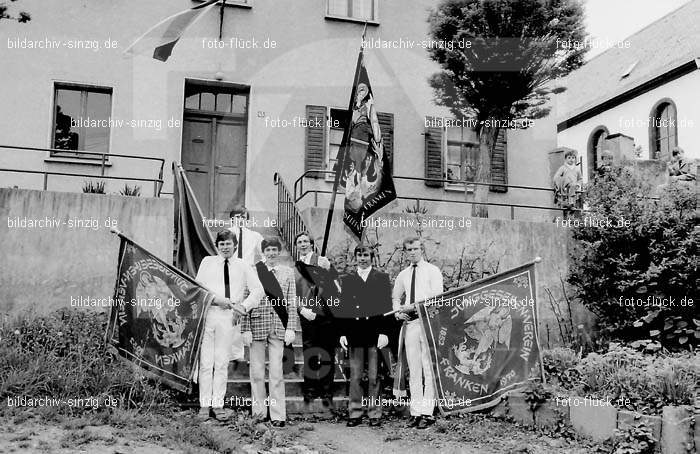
(315, 153)
(386, 124)
(499, 162)
(433, 156)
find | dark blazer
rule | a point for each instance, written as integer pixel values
(363, 304)
(305, 289)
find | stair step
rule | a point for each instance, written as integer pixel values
(292, 388)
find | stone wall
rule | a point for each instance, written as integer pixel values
(466, 249)
(56, 246)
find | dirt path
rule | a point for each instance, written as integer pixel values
(467, 436)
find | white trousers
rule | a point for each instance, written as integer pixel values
(420, 370)
(276, 401)
(214, 357)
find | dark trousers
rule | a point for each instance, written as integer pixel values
(359, 356)
(320, 341)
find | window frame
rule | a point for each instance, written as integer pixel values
(654, 130)
(464, 145)
(82, 88)
(592, 152)
(373, 21)
(329, 177)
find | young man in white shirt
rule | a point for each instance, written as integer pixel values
(420, 280)
(228, 278)
(249, 250)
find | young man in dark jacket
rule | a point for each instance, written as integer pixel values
(366, 295)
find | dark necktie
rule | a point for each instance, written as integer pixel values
(240, 242)
(227, 287)
(413, 285)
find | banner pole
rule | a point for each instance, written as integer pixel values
(342, 152)
(433, 300)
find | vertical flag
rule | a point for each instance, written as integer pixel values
(193, 238)
(160, 39)
(158, 319)
(483, 339)
(365, 170)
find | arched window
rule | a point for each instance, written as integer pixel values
(595, 147)
(663, 135)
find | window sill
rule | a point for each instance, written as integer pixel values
(457, 188)
(352, 19)
(83, 161)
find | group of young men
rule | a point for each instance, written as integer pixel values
(356, 311)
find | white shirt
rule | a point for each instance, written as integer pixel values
(252, 252)
(241, 277)
(428, 283)
(306, 258)
(364, 273)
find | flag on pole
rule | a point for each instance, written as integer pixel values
(160, 39)
(365, 170)
(482, 339)
(158, 319)
(193, 239)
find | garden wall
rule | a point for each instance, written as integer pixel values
(56, 247)
(465, 249)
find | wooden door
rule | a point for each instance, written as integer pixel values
(214, 141)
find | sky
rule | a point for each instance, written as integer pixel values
(617, 19)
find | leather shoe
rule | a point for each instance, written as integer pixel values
(426, 422)
(413, 421)
(277, 423)
(352, 422)
(375, 422)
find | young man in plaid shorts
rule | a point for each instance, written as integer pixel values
(270, 326)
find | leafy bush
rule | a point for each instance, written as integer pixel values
(94, 187)
(62, 356)
(637, 439)
(644, 382)
(560, 367)
(618, 272)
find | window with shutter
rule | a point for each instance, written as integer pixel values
(339, 119)
(433, 155)
(314, 157)
(499, 163)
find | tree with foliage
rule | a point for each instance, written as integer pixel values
(22, 17)
(500, 65)
(634, 273)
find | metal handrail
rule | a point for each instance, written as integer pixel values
(55, 152)
(299, 182)
(289, 220)
(158, 183)
(299, 192)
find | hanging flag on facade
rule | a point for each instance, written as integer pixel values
(193, 239)
(365, 170)
(158, 319)
(160, 39)
(483, 339)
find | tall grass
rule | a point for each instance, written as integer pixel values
(63, 356)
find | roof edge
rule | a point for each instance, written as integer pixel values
(679, 71)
